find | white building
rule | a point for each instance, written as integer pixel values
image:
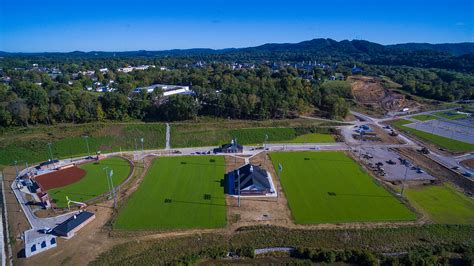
(39, 243)
(131, 68)
(168, 90)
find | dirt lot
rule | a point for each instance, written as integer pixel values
(60, 178)
(370, 93)
(468, 163)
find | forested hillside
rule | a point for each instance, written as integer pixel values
(263, 82)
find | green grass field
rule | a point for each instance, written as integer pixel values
(313, 138)
(443, 204)
(329, 187)
(31, 143)
(450, 144)
(185, 136)
(423, 117)
(451, 115)
(178, 193)
(94, 183)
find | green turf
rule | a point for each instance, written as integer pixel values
(423, 117)
(313, 138)
(329, 187)
(443, 204)
(193, 184)
(447, 143)
(31, 144)
(451, 115)
(189, 137)
(94, 183)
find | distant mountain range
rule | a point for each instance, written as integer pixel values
(312, 46)
(451, 56)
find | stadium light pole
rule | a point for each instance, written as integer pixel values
(238, 180)
(16, 167)
(87, 144)
(280, 169)
(143, 151)
(404, 180)
(113, 188)
(106, 169)
(51, 153)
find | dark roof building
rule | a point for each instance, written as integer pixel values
(253, 181)
(229, 148)
(69, 227)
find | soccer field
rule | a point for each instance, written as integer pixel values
(94, 183)
(177, 193)
(443, 204)
(329, 187)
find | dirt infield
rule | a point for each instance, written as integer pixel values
(60, 178)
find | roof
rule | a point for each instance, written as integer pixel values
(230, 146)
(252, 177)
(73, 222)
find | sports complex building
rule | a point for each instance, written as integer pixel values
(252, 181)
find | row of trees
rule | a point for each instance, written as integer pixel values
(435, 84)
(219, 91)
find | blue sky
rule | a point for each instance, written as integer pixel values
(85, 25)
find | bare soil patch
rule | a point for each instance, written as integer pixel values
(369, 92)
(60, 178)
(469, 163)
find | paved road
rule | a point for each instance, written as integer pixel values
(447, 161)
(168, 136)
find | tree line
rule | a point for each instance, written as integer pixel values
(33, 97)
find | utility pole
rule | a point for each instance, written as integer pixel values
(87, 144)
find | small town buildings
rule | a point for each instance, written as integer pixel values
(69, 227)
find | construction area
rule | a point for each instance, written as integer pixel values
(377, 100)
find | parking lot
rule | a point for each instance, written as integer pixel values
(462, 129)
(387, 164)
